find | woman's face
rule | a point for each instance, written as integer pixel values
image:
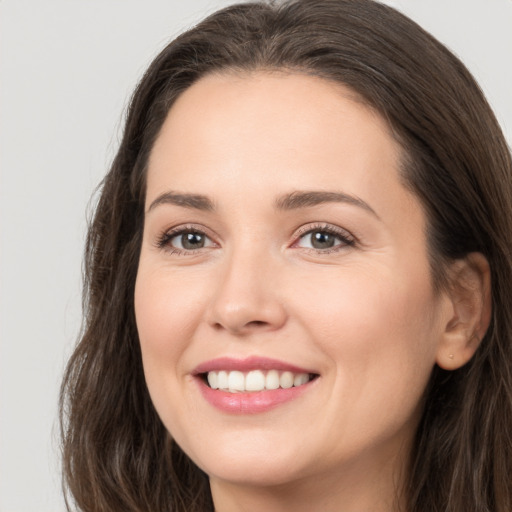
(281, 249)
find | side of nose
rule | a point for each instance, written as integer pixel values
(246, 298)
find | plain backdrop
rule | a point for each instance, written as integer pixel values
(67, 70)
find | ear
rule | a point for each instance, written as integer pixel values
(469, 294)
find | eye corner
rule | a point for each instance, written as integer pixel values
(330, 238)
(190, 240)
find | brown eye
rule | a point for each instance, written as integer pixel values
(192, 240)
(189, 240)
(324, 239)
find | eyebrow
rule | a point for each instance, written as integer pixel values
(193, 201)
(305, 199)
(292, 201)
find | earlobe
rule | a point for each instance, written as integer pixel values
(469, 295)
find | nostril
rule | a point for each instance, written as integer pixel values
(257, 323)
(243, 329)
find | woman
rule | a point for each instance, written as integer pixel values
(297, 277)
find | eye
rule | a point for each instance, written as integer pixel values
(184, 240)
(189, 240)
(325, 239)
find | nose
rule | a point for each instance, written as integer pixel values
(247, 298)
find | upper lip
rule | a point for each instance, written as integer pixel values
(247, 364)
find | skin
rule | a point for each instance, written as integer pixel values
(363, 315)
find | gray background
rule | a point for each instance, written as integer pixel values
(67, 69)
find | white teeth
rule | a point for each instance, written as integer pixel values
(286, 380)
(272, 379)
(213, 380)
(300, 379)
(236, 381)
(255, 380)
(222, 380)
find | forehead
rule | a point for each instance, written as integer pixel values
(231, 133)
(270, 121)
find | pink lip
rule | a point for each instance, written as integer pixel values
(247, 364)
(251, 403)
(254, 402)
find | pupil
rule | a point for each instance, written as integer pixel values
(192, 240)
(322, 240)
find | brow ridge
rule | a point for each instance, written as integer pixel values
(305, 199)
(193, 201)
(291, 201)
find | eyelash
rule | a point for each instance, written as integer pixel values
(347, 240)
(164, 240)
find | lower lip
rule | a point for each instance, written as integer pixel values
(251, 403)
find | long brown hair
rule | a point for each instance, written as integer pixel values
(117, 454)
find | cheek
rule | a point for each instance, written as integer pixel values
(380, 343)
(166, 311)
(380, 333)
(369, 309)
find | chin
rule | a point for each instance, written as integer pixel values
(251, 465)
(252, 473)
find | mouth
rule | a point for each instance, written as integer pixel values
(252, 385)
(236, 381)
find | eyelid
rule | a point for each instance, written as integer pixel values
(345, 236)
(163, 239)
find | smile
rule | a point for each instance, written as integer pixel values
(252, 385)
(255, 380)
